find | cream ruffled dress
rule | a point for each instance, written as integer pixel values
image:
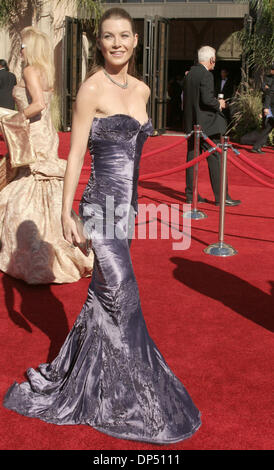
(32, 246)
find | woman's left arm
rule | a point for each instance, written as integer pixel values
(146, 92)
(33, 85)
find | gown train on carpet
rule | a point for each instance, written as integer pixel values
(109, 373)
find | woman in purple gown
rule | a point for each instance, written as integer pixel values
(109, 373)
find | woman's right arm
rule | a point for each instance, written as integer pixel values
(34, 87)
(84, 111)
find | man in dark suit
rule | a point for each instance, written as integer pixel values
(268, 112)
(225, 85)
(7, 82)
(203, 108)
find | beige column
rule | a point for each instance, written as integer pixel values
(43, 19)
(85, 51)
(4, 44)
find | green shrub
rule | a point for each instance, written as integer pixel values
(247, 112)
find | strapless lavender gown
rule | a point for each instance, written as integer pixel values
(109, 373)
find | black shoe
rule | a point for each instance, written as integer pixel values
(254, 150)
(200, 199)
(229, 202)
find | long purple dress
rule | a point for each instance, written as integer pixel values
(109, 373)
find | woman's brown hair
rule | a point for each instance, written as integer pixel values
(99, 61)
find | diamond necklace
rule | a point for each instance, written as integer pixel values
(125, 85)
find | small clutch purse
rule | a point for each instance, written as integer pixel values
(85, 244)
(16, 132)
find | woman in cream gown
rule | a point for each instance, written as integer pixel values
(32, 244)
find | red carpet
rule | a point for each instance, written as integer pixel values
(212, 318)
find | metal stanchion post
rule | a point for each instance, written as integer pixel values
(195, 213)
(221, 248)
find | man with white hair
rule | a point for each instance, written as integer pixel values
(203, 108)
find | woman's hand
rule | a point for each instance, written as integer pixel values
(70, 230)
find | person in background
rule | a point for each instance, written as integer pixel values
(7, 82)
(202, 108)
(182, 94)
(33, 246)
(174, 105)
(225, 86)
(268, 111)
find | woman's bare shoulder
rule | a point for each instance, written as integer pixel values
(89, 93)
(93, 83)
(141, 87)
(89, 88)
(31, 70)
(35, 74)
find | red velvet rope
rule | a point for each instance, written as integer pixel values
(210, 142)
(163, 149)
(257, 167)
(170, 171)
(198, 159)
(156, 151)
(244, 170)
(175, 169)
(256, 178)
